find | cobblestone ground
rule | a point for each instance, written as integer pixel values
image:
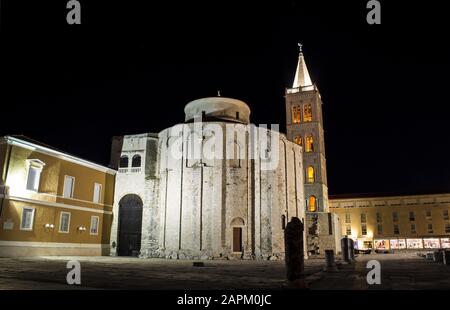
(135, 273)
(405, 271)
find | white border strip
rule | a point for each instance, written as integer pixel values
(60, 155)
(52, 244)
(57, 205)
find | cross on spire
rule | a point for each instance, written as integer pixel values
(300, 47)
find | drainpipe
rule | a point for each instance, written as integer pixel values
(5, 174)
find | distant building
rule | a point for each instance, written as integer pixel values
(52, 203)
(395, 222)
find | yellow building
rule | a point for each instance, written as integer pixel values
(395, 222)
(52, 203)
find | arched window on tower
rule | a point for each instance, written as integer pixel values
(296, 114)
(310, 174)
(123, 162)
(309, 147)
(312, 203)
(298, 140)
(307, 113)
(136, 161)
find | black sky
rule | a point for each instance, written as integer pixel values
(131, 68)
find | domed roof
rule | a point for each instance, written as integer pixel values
(218, 109)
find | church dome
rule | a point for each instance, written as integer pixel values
(218, 109)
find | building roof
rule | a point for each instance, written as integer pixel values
(385, 194)
(27, 142)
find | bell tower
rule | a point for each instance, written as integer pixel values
(304, 126)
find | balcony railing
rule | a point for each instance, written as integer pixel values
(130, 170)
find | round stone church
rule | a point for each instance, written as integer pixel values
(213, 187)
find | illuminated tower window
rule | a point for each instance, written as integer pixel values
(312, 204)
(307, 113)
(298, 140)
(309, 144)
(296, 114)
(310, 174)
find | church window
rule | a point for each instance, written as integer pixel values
(310, 174)
(136, 161)
(307, 113)
(283, 222)
(123, 162)
(309, 144)
(296, 114)
(298, 140)
(312, 207)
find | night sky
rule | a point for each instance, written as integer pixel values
(131, 68)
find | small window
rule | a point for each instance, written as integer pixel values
(363, 218)
(311, 178)
(430, 228)
(395, 216)
(69, 183)
(97, 193)
(27, 219)
(447, 228)
(380, 229)
(312, 204)
(296, 114)
(136, 161)
(123, 162)
(298, 140)
(396, 229)
(94, 225)
(379, 218)
(307, 113)
(283, 222)
(309, 147)
(428, 214)
(413, 228)
(348, 230)
(412, 216)
(446, 215)
(64, 222)
(34, 175)
(348, 218)
(364, 229)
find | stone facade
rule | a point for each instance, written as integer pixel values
(201, 207)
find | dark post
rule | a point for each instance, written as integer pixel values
(294, 254)
(351, 249)
(344, 245)
(329, 260)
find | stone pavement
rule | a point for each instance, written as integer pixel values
(398, 271)
(403, 271)
(135, 273)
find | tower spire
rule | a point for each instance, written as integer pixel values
(302, 77)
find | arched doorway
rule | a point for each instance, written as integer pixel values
(130, 225)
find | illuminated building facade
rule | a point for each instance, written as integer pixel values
(395, 222)
(52, 203)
